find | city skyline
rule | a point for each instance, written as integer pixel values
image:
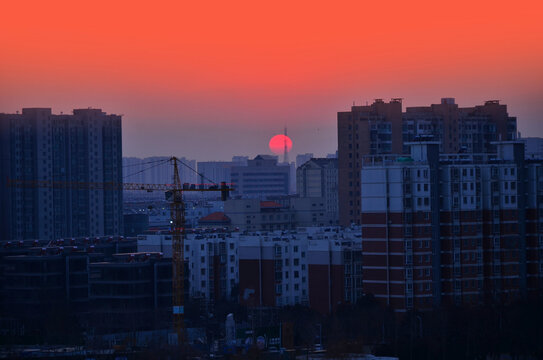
(185, 76)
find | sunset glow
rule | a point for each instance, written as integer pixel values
(229, 69)
(278, 142)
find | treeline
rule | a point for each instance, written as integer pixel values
(447, 333)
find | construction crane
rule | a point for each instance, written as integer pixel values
(174, 194)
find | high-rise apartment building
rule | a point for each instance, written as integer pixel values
(452, 228)
(382, 128)
(40, 146)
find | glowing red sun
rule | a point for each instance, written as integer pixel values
(277, 144)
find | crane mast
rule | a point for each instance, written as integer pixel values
(177, 213)
(174, 193)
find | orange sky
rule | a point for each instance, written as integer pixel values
(209, 79)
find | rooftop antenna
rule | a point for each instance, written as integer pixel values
(285, 150)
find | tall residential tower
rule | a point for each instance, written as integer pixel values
(383, 128)
(40, 146)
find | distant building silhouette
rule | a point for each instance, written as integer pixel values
(262, 177)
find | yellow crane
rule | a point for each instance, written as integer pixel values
(174, 193)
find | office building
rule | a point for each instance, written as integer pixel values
(382, 128)
(452, 229)
(38, 146)
(262, 177)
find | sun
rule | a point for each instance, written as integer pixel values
(277, 144)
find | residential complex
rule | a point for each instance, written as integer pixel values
(451, 228)
(383, 128)
(38, 147)
(317, 267)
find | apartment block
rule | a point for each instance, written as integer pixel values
(38, 146)
(312, 267)
(452, 228)
(212, 261)
(383, 128)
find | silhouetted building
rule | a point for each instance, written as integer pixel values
(37, 146)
